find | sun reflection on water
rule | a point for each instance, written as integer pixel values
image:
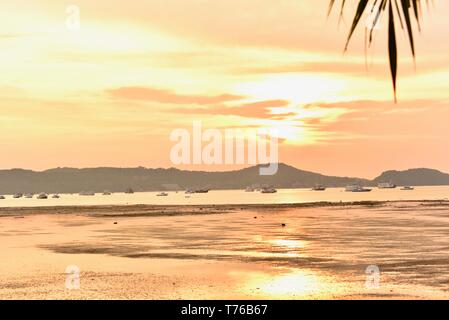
(289, 244)
(297, 283)
(291, 283)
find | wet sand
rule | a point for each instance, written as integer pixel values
(294, 251)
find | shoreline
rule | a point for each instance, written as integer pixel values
(193, 209)
(242, 188)
(314, 250)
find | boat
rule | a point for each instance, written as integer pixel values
(362, 189)
(162, 194)
(386, 185)
(107, 193)
(56, 196)
(129, 191)
(408, 188)
(357, 188)
(249, 189)
(42, 196)
(29, 195)
(191, 191)
(319, 187)
(17, 195)
(87, 193)
(202, 190)
(268, 190)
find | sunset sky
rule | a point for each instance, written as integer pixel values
(110, 93)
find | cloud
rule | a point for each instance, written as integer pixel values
(18, 35)
(10, 35)
(168, 96)
(419, 119)
(314, 67)
(260, 109)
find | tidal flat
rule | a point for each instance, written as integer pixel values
(290, 251)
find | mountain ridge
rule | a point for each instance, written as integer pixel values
(74, 180)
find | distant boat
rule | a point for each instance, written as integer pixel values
(106, 193)
(249, 189)
(268, 190)
(202, 190)
(386, 185)
(42, 196)
(319, 187)
(162, 194)
(56, 196)
(129, 191)
(192, 191)
(29, 195)
(17, 195)
(357, 188)
(87, 193)
(408, 188)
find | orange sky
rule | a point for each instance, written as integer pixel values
(110, 93)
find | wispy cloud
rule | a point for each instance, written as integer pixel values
(168, 96)
(423, 119)
(315, 67)
(260, 109)
(10, 35)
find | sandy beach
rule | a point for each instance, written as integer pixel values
(303, 251)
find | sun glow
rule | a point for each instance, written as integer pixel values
(292, 79)
(296, 88)
(290, 244)
(294, 284)
(298, 282)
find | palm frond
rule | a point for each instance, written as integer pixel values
(406, 11)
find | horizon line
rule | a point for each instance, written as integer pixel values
(217, 171)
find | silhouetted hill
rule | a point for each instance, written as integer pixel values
(415, 177)
(70, 180)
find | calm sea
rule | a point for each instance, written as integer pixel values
(283, 196)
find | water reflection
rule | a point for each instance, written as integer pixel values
(289, 244)
(291, 283)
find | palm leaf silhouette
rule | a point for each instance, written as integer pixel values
(406, 11)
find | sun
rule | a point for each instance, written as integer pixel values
(300, 88)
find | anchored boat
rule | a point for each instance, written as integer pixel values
(129, 191)
(386, 185)
(357, 188)
(319, 187)
(268, 190)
